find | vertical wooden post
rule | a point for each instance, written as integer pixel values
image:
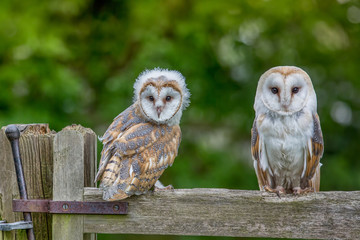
(36, 143)
(74, 169)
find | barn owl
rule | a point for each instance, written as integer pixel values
(287, 141)
(143, 140)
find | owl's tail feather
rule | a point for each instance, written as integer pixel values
(110, 173)
(113, 194)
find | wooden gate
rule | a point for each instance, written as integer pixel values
(62, 166)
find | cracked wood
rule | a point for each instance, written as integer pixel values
(223, 212)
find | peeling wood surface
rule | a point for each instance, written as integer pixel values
(36, 153)
(223, 212)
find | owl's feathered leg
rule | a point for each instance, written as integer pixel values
(160, 187)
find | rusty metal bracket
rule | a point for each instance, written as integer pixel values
(69, 207)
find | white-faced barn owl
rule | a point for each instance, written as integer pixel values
(143, 140)
(287, 141)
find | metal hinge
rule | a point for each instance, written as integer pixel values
(70, 207)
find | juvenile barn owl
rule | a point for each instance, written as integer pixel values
(143, 140)
(287, 141)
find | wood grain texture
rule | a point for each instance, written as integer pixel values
(72, 170)
(223, 212)
(36, 153)
(89, 152)
(8, 185)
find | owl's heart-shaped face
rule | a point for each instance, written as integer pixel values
(160, 102)
(161, 95)
(285, 90)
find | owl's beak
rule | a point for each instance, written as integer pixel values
(285, 107)
(159, 110)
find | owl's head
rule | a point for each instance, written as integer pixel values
(161, 95)
(285, 90)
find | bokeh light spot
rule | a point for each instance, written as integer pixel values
(353, 14)
(341, 113)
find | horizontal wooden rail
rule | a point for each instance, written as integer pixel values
(223, 212)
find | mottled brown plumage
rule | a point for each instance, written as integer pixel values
(143, 140)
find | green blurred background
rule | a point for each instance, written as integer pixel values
(65, 62)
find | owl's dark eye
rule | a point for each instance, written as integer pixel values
(168, 98)
(151, 98)
(295, 90)
(274, 90)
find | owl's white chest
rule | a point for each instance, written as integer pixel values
(284, 140)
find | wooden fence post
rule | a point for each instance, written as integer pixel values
(36, 143)
(74, 169)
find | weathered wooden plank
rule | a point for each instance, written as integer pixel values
(73, 165)
(36, 153)
(36, 148)
(8, 186)
(223, 212)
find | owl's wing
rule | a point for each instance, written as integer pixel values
(315, 150)
(138, 158)
(256, 151)
(121, 124)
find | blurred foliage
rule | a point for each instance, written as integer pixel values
(65, 62)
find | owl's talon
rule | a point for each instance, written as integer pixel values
(169, 187)
(269, 189)
(278, 194)
(278, 190)
(299, 191)
(160, 187)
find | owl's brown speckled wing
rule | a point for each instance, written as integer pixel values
(121, 124)
(314, 153)
(134, 160)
